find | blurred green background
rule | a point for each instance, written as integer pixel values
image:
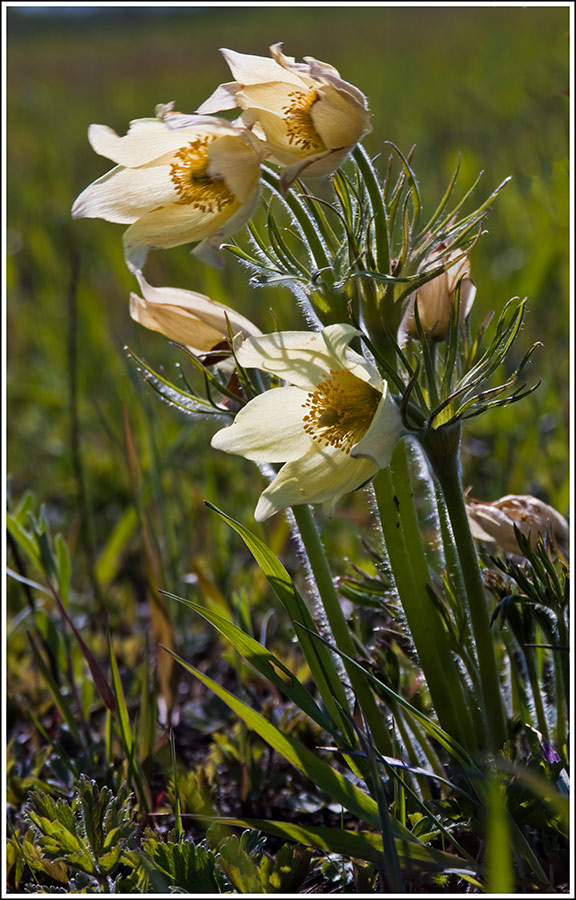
(488, 83)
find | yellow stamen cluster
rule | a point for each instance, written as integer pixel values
(299, 124)
(189, 174)
(341, 409)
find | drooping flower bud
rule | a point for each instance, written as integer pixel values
(188, 317)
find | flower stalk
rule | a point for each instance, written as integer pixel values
(393, 492)
(341, 633)
(442, 447)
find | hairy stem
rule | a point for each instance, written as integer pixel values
(401, 532)
(343, 637)
(442, 447)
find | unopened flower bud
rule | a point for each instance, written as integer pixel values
(495, 522)
(436, 297)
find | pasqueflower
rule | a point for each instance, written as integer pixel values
(494, 522)
(436, 297)
(188, 317)
(307, 117)
(334, 425)
(173, 185)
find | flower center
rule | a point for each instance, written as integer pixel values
(341, 410)
(189, 174)
(299, 124)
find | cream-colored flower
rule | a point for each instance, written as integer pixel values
(307, 117)
(173, 185)
(436, 297)
(188, 317)
(334, 425)
(494, 522)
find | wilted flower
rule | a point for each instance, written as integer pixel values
(334, 426)
(188, 317)
(173, 185)
(436, 297)
(307, 117)
(495, 522)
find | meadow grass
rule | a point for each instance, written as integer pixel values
(122, 476)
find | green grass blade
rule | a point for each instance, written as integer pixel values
(338, 788)
(24, 539)
(59, 701)
(415, 858)
(319, 659)
(263, 660)
(127, 736)
(456, 751)
(499, 864)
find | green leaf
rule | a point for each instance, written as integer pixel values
(499, 864)
(184, 867)
(127, 736)
(109, 558)
(24, 539)
(318, 658)
(59, 700)
(416, 858)
(338, 788)
(239, 866)
(63, 568)
(456, 751)
(262, 660)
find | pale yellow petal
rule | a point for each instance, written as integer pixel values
(171, 322)
(383, 434)
(124, 195)
(327, 74)
(273, 96)
(235, 160)
(300, 357)
(188, 317)
(224, 97)
(268, 429)
(147, 139)
(339, 121)
(171, 226)
(312, 166)
(323, 475)
(275, 136)
(249, 69)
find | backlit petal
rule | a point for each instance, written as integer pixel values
(249, 69)
(170, 226)
(382, 436)
(224, 97)
(322, 475)
(234, 160)
(147, 139)
(300, 357)
(338, 121)
(124, 195)
(268, 429)
(187, 316)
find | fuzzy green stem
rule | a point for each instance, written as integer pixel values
(536, 692)
(562, 688)
(341, 633)
(442, 447)
(454, 572)
(401, 532)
